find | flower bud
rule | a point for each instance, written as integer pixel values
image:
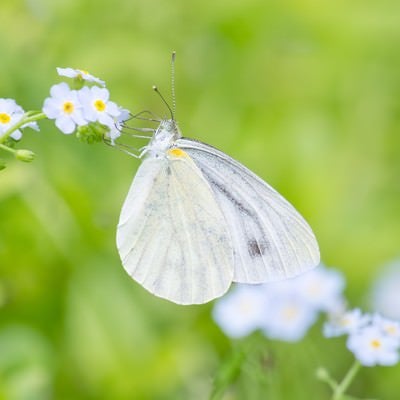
(91, 133)
(25, 155)
(77, 83)
(322, 374)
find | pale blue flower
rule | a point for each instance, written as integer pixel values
(64, 106)
(79, 73)
(10, 114)
(388, 326)
(284, 310)
(97, 106)
(322, 288)
(288, 318)
(345, 323)
(241, 311)
(372, 347)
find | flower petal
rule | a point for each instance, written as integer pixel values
(60, 90)
(105, 119)
(17, 135)
(113, 109)
(65, 125)
(68, 72)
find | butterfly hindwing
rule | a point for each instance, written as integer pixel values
(172, 236)
(270, 238)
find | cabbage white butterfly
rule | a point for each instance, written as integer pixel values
(195, 220)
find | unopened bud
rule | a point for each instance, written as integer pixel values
(25, 155)
(91, 133)
(322, 374)
(78, 83)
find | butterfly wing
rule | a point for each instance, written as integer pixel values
(270, 238)
(172, 236)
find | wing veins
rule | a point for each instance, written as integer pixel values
(256, 221)
(180, 188)
(183, 224)
(250, 175)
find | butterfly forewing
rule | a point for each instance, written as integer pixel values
(172, 236)
(270, 238)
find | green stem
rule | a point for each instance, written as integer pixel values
(324, 376)
(342, 387)
(26, 119)
(6, 148)
(227, 374)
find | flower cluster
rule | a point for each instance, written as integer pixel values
(84, 108)
(282, 310)
(10, 115)
(89, 110)
(13, 119)
(373, 339)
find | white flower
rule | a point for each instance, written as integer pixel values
(289, 307)
(97, 107)
(345, 323)
(322, 288)
(385, 296)
(64, 107)
(115, 130)
(79, 73)
(10, 114)
(288, 318)
(241, 311)
(372, 347)
(387, 326)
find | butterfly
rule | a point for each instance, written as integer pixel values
(195, 220)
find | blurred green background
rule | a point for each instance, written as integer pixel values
(305, 93)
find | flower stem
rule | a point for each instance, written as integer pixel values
(6, 148)
(324, 376)
(227, 374)
(26, 119)
(345, 383)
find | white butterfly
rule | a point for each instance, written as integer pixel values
(195, 220)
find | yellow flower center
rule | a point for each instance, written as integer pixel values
(344, 322)
(82, 72)
(4, 118)
(314, 289)
(391, 330)
(290, 313)
(99, 105)
(245, 307)
(68, 107)
(375, 343)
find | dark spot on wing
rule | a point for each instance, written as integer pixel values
(236, 202)
(168, 170)
(255, 248)
(259, 244)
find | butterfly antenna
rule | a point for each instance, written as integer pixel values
(155, 88)
(173, 83)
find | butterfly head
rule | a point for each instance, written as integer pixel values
(164, 138)
(165, 135)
